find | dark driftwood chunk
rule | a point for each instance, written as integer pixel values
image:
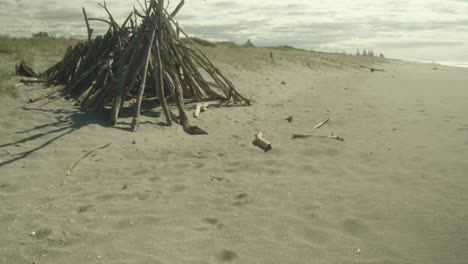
(24, 70)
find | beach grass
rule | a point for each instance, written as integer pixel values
(32, 49)
(255, 58)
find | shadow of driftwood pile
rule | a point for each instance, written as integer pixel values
(135, 60)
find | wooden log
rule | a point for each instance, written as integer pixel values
(159, 83)
(136, 115)
(261, 142)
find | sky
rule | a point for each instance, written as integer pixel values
(419, 30)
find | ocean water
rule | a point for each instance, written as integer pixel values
(463, 64)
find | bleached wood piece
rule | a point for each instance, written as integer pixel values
(321, 124)
(200, 108)
(261, 142)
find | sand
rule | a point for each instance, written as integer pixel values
(395, 191)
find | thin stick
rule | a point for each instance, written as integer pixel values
(321, 124)
(90, 30)
(48, 94)
(32, 81)
(101, 20)
(295, 136)
(86, 155)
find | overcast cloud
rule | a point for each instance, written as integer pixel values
(411, 29)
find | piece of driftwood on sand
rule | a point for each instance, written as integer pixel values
(24, 70)
(319, 125)
(136, 60)
(261, 142)
(372, 69)
(296, 136)
(200, 108)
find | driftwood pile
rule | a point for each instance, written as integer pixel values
(135, 60)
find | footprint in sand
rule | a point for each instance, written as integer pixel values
(141, 171)
(214, 222)
(218, 179)
(154, 179)
(142, 196)
(354, 227)
(241, 199)
(41, 233)
(85, 208)
(178, 188)
(105, 197)
(8, 188)
(227, 255)
(463, 128)
(211, 221)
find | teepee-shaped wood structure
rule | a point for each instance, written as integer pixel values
(136, 60)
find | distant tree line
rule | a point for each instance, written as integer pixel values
(248, 44)
(41, 34)
(368, 53)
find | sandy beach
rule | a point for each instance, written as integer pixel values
(394, 191)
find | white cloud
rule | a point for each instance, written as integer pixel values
(413, 29)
